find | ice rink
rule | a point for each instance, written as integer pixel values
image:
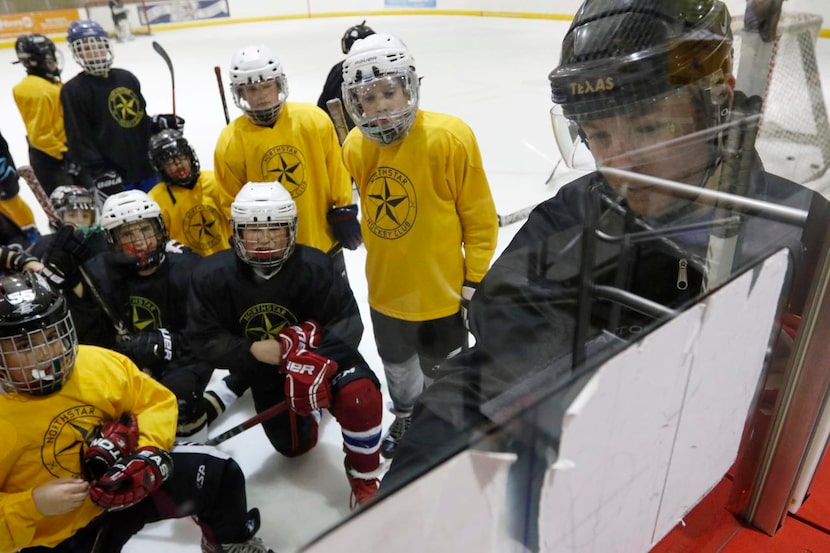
(491, 72)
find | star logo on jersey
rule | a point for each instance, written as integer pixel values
(125, 107)
(391, 207)
(65, 439)
(286, 165)
(144, 313)
(264, 321)
(202, 228)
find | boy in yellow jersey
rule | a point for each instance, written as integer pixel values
(292, 143)
(38, 99)
(188, 197)
(88, 456)
(429, 221)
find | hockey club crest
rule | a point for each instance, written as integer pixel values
(264, 321)
(66, 438)
(285, 164)
(145, 314)
(201, 227)
(125, 107)
(391, 206)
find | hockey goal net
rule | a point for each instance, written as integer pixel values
(794, 136)
(99, 11)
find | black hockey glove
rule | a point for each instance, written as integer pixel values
(107, 184)
(16, 258)
(150, 349)
(345, 226)
(467, 291)
(61, 262)
(167, 121)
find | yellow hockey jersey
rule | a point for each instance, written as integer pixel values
(41, 438)
(428, 218)
(38, 101)
(194, 217)
(300, 151)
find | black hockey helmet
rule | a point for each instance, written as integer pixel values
(33, 315)
(170, 144)
(39, 56)
(354, 33)
(618, 52)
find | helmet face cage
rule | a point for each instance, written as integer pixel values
(133, 223)
(90, 45)
(38, 344)
(39, 56)
(258, 84)
(264, 224)
(75, 205)
(381, 88)
(173, 159)
(612, 68)
(354, 33)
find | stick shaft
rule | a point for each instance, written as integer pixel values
(163, 53)
(222, 93)
(269, 413)
(32, 181)
(335, 108)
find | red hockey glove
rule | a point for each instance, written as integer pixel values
(298, 337)
(113, 442)
(307, 378)
(131, 480)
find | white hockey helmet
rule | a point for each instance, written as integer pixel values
(377, 65)
(118, 215)
(90, 45)
(260, 209)
(258, 84)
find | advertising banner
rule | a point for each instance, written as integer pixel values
(409, 3)
(46, 23)
(184, 10)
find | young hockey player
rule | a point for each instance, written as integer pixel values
(38, 99)
(429, 219)
(88, 456)
(291, 143)
(278, 313)
(188, 197)
(334, 82)
(107, 127)
(145, 281)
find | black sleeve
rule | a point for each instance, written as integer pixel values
(9, 182)
(78, 113)
(206, 334)
(333, 89)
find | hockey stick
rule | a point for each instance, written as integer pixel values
(161, 52)
(222, 93)
(32, 181)
(335, 108)
(516, 216)
(269, 413)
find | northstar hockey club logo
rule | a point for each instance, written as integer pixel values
(66, 437)
(145, 314)
(391, 203)
(286, 165)
(264, 321)
(125, 107)
(201, 227)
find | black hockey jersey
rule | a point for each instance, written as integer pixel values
(107, 127)
(230, 307)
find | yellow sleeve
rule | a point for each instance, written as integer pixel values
(229, 164)
(475, 206)
(38, 101)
